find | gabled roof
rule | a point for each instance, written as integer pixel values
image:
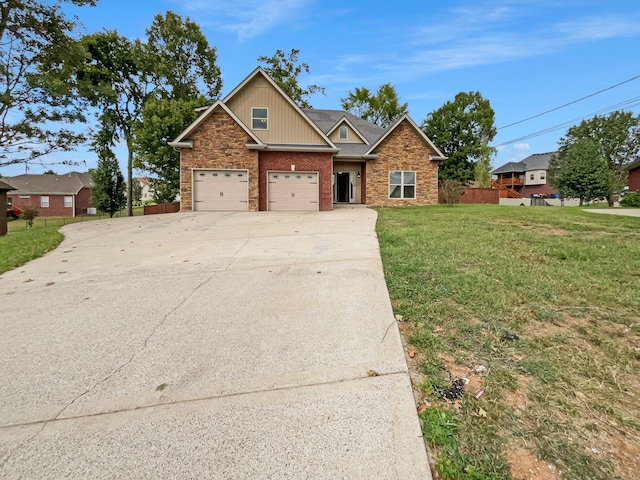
(537, 161)
(407, 118)
(329, 120)
(67, 184)
(345, 122)
(260, 71)
(182, 140)
(5, 187)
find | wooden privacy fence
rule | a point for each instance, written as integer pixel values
(162, 208)
(476, 195)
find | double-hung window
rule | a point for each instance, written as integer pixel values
(68, 202)
(44, 201)
(259, 118)
(402, 184)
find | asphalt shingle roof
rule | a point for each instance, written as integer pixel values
(327, 119)
(537, 161)
(69, 183)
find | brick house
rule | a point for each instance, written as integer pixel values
(634, 176)
(257, 150)
(65, 195)
(528, 178)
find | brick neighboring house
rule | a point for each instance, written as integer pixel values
(634, 176)
(528, 177)
(65, 195)
(257, 150)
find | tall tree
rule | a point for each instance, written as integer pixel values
(579, 170)
(618, 136)
(382, 108)
(462, 130)
(182, 68)
(113, 80)
(107, 193)
(284, 70)
(34, 35)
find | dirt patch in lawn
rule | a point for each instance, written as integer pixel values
(525, 466)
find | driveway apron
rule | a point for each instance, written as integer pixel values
(207, 345)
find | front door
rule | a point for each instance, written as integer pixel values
(345, 187)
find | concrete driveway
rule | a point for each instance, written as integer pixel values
(231, 345)
(627, 212)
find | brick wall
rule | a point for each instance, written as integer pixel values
(634, 180)
(304, 162)
(83, 201)
(56, 206)
(403, 149)
(218, 143)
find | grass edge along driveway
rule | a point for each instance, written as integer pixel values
(523, 336)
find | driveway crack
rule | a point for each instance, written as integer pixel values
(114, 372)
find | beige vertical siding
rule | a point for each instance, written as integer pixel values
(285, 124)
(352, 136)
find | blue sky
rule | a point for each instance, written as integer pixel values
(525, 57)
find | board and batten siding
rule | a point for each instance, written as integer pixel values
(285, 124)
(352, 136)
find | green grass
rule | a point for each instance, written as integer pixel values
(22, 244)
(548, 300)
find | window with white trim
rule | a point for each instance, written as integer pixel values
(259, 118)
(68, 202)
(532, 176)
(542, 175)
(343, 133)
(44, 201)
(402, 184)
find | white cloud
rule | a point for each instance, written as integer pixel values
(521, 146)
(246, 18)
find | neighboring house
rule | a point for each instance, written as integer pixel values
(4, 188)
(257, 150)
(65, 195)
(525, 179)
(146, 194)
(634, 176)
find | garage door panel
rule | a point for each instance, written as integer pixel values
(293, 191)
(220, 190)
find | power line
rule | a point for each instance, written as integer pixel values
(629, 103)
(570, 103)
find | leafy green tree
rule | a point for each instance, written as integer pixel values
(162, 121)
(137, 191)
(113, 80)
(382, 108)
(618, 136)
(179, 60)
(462, 130)
(182, 68)
(33, 36)
(284, 70)
(107, 193)
(579, 170)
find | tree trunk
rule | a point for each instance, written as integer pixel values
(129, 178)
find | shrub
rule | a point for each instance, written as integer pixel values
(29, 214)
(631, 200)
(452, 190)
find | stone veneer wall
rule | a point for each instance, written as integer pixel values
(403, 149)
(220, 143)
(304, 162)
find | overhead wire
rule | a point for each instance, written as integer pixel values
(629, 103)
(570, 103)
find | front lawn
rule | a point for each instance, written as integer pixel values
(537, 311)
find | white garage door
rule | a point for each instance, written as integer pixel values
(293, 191)
(220, 190)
